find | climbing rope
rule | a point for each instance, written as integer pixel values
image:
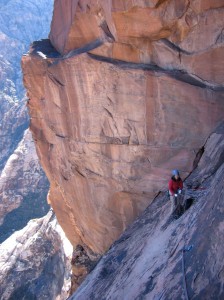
(183, 270)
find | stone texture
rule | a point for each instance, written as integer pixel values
(118, 103)
(132, 30)
(154, 257)
(20, 23)
(13, 119)
(23, 185)
(203, 5)
(20, 185)
(82, 263)
(211, 22)
(36, 262)
(123, 21)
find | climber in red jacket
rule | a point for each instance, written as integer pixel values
(175, 190)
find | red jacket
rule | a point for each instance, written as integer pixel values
(174, 185)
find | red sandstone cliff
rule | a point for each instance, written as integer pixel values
(128, 91)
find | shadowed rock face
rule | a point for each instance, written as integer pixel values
(35, 262)
(131, 90)
(23, 188)
(157, 254)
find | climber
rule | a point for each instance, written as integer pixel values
(175, 190)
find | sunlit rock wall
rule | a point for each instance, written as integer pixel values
(128, 91)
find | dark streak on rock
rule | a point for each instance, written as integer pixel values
(60, 136)
(174, 250)
(125, 65)
(148, 287)
(80, 173)
(220, 37)
(108, 112)
(174, 47)
(179, 75)
(110, 100)
(93, 173)
(65, 178)
(107, 31)
(121, 240)
(55, 80)
(160, 2)
(88, 47)
(198, 157)
(121, 256)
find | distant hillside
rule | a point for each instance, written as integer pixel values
(20, 23)
(22, 180)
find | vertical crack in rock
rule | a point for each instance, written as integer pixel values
(107, 31)
(83, 262)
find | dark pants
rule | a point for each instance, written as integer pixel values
(176, 203)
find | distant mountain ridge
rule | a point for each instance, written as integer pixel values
(20, 23)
